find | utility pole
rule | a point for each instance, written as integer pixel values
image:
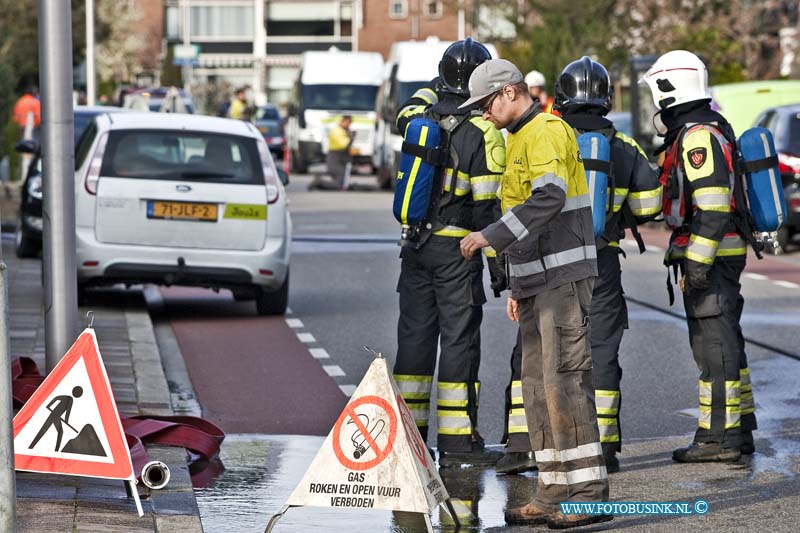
(8, 493)
(259, 53)
(186, 21)
(91, 86)
(58, 262)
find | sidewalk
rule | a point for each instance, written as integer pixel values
(132, 360)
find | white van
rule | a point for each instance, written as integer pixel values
(411, 65)
(331, 84)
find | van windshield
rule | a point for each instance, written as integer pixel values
(340, 97)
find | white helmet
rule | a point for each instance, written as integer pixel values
(535, 78)
(677, 77)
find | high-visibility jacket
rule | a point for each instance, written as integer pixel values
(27, 103)
(699, 166)
(338, 139)
(546, 231)
(469, 199)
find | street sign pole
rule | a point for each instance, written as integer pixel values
(58, 262)
(91, 90)
(8, 496)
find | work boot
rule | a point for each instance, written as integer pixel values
(528, 515)
(706, 452)
(477, 456)
(562, 521)
(515, 463)
(748, 446)
(612, 463)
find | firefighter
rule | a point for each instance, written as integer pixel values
(583, 97)
(546, 234)
(537, 87)
(441, 295)
(708, 247)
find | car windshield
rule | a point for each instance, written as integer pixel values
(267, 113)
(406, 89)
(182, 156)
(340, 97)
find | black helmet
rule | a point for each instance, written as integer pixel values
(458, 62)
(584, 82)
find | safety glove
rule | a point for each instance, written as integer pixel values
(497, 274)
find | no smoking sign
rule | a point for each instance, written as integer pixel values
(365, 432)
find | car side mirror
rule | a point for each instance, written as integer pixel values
(283, 176)
(27, 146)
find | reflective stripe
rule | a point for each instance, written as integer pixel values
(550, 455)
(582, 475)
(485, 187)
(705, 392)
(619, 197)
(624, 138)
(488, 251)
(516, 392)
(609, 429)
(515, 226)
(712, 199)
(547, 179)
(426, 94)
(517, 421)
(553, 261)
(701, 249)
(462, 182)
(576, 202)
(452, 395)
(411, 111)
(451, 231)
(413, 383)
(454, 423)
(733, 417)
(645, 203)
(748, 405)
(732, 392)
(423, 135)
(731, 245)
(704, 418)
(607, 402)
(420, 412)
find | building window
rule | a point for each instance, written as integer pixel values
(222, 22)
(398, 9)
(433, 9)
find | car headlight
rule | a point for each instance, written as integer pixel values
(35, 186)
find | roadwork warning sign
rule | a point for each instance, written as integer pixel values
(70, 425)
(374, 456)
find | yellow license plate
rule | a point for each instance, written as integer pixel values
(182, 210)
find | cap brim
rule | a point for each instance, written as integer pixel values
(474, 100)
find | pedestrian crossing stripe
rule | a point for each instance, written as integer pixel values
(70, 425)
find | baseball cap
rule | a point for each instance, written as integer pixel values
(489, 77)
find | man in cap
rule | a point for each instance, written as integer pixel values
(546, 234)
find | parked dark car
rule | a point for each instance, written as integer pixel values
(784, 123)
(28, 236)
(269, 123)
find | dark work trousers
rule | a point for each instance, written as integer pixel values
(726, 395)
(609, 320)
(515, 435)
(337, 165)
(441, 299)
(559, 397)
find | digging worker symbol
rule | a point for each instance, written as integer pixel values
(60, 408)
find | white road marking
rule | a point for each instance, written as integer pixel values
(319, 353)
(348, 390)
(759, 277)
(787, 284)
(306, 338)
(333, 370)
(294, 323)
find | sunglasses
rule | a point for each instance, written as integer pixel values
(487, 105)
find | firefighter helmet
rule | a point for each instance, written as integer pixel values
(458, 62)
(677, 77)
(584, 82)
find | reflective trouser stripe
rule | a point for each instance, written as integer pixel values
(609, 430)
(550, 455)
(516, 392)
(607, 402)
(573, 477)
(747, 404)
(454, 422)
(416, 391)
(704, 418)
(420, 412)
(517, 422)
(732, 402)
(452, 395)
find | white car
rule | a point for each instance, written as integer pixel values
(177, 199)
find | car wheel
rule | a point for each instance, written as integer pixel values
(23, 245)
(298, 165)
(274, 302)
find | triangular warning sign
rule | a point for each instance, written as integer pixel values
(70, 425)
(374, 457)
